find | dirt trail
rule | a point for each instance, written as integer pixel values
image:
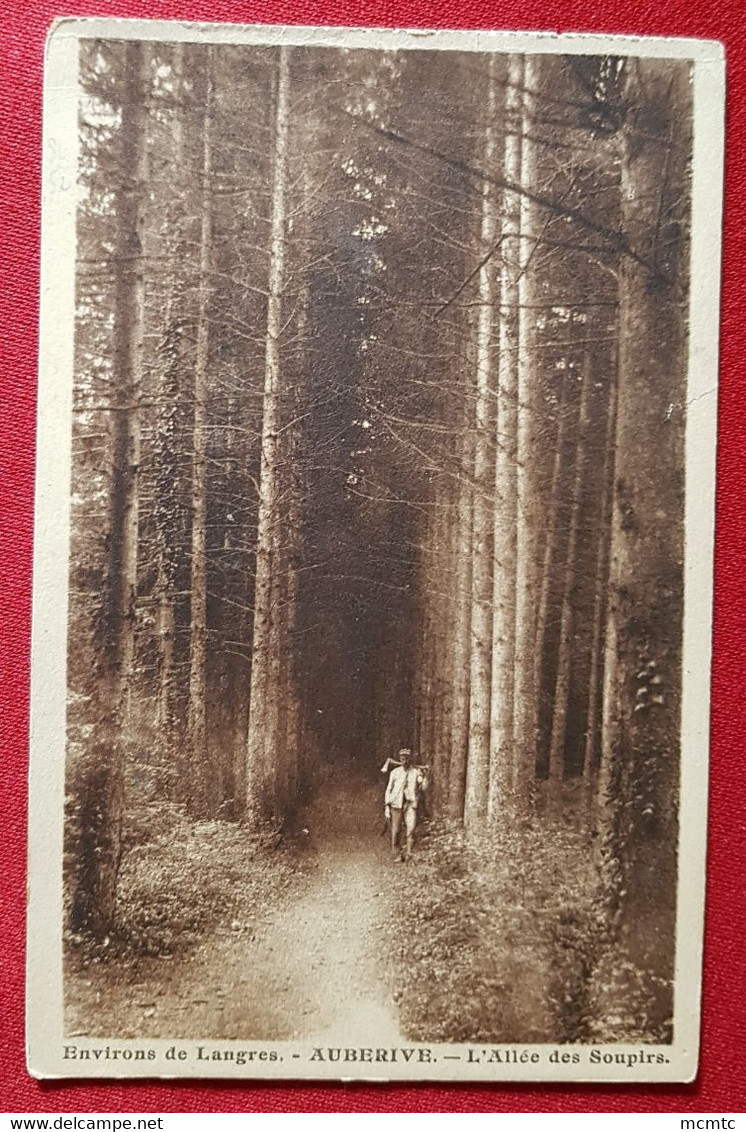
(313, 969)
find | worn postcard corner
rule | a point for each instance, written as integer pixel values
(373, 555)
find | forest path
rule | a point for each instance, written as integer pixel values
(313, 968)
(323, 953)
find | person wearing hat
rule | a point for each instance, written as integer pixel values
(400, 803)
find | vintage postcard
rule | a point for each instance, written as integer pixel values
(374, 531)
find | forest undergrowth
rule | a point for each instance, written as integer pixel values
(506, 939)
(180, 880)
(503, 938)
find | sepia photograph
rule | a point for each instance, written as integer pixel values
(373, 553)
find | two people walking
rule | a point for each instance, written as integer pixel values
(407, 785)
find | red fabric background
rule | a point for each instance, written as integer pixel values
(720, 1085)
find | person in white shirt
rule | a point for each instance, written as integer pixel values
(400, 803)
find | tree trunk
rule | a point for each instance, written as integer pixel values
(641, 713)
(98, 778)
(128, 352)
(165, 460)
(601, 584)
(289, 687)
(462, 635)
(166, 553)
(525, 706)
(436, 751)
(200, 777)
(552, 543)
(261, 770)
(447, 626)
(292, 680)
(425, 677)
(478, 762)
(565, 648)
(164, 507)
(504, 564)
